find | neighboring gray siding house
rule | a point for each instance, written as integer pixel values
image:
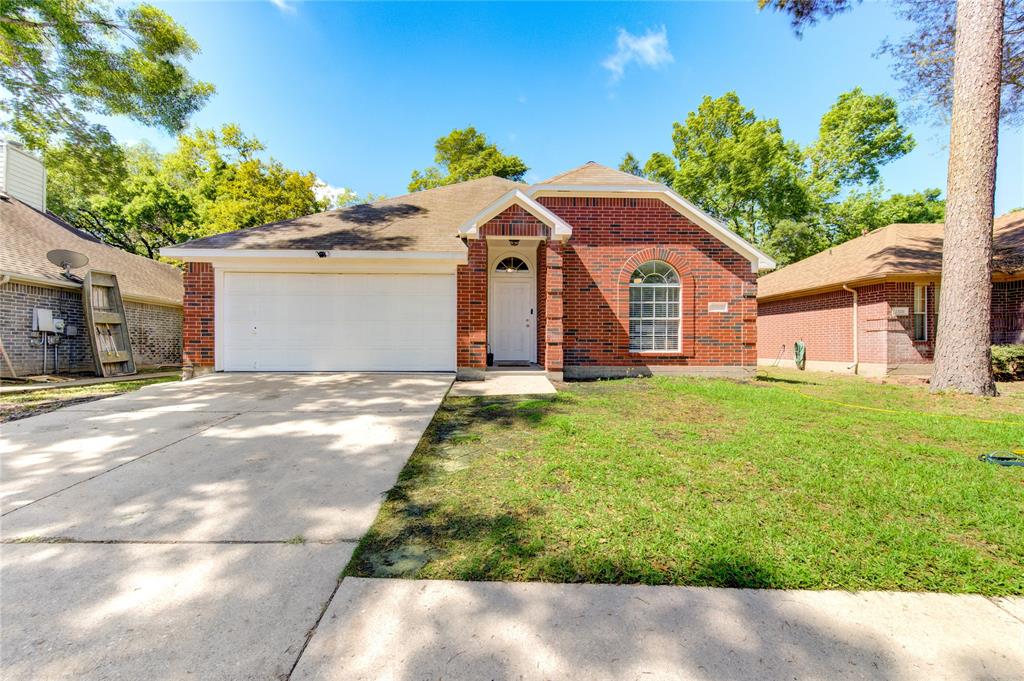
(152, 291)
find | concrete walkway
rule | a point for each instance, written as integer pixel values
(510, 383)
(194, 529)
(410, 630)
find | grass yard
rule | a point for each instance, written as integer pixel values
(19, 405)
(775, 483)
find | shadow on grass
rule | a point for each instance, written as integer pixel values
(426, 530)
(761, 378)
(415, 529)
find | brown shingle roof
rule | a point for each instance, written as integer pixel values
(896, 250)
(26, 235)
(591, 173)
(423, 221)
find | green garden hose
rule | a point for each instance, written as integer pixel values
(800, 354)
(1003, 458)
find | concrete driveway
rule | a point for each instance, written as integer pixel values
(194, 528)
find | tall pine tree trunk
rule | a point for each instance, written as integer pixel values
(962, 351)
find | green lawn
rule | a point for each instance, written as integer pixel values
(19, 405)
(777, 483)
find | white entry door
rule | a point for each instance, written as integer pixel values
(513, 319)
(336, 322)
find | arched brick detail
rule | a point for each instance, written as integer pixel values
(687, 293)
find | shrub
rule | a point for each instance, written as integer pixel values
(1008, 362)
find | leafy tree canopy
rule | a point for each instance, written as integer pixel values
(630, 165)
(859, 134)
(793, 202)
(863, 212)
(212, 182)
(466, 155)
(661, 168)
(65, 61)
(738, 167)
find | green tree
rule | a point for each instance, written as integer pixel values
(739, 167)
(791, 241)
(466, 155)
(661, 168)
(232, 186)
(212, 182)
(976, 78)
(862, 212)
(64, 61)
(858, 134)
(630, 165)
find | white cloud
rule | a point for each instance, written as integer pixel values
(336, 197)
(650, 49)
(284, 6)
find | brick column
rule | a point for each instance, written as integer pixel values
(748, 313)
(553, 307)
(197, 326)
(471, 327)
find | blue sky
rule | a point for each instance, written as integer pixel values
(357, 93)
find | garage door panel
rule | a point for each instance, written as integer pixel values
(330, 322)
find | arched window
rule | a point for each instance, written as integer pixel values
(512, 264)
(654, 308)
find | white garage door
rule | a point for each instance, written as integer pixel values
(337, 322)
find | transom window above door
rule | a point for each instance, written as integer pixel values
(654, 308)
(512, 264)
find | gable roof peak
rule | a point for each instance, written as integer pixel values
(594, 174)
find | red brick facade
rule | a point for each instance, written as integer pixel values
(583, 286)
(471, 311)
(554, 305)
(197, 325)
(1008, 312)
(823, 321)
(610, 238)
(513, 222)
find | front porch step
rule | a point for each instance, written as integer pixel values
(516, 370)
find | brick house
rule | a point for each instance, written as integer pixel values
(591, 273)
(151, 290)
(886, 284)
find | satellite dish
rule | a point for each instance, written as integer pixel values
(67, 260)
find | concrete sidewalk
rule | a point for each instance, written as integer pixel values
(410, 629)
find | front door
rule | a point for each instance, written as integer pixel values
(513, 318)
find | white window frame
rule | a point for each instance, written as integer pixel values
(678, 318)
(524, 270)
(920, 296)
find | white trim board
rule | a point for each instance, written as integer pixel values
(207, 254)
(560, 229)
(759, 260)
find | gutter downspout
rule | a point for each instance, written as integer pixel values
(856, 353)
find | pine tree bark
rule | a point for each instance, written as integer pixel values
(963, 340)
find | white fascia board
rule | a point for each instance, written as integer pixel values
(45, 282)
(560, 229)
(759, 260)
(206, 254)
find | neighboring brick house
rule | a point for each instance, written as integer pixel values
(591, 273)
(151, 290)
(888, 282)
